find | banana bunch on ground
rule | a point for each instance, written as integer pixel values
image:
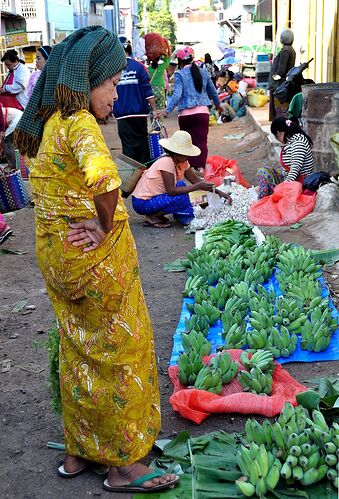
(259, 274)
(199, 294)
(189, 365)
(193, 284)
(218, 295)
(298, 259)
(261, 359)
(206, 309)
(261, 300)
(257, 338)
(233, 272)
(288, 312)
(197, 323)
(209, 272)
(196, 341)
(241, 290)
(299, 287)
(263, 319)
(235, 312)
(315, 336)
(260, 469)
(218, 249)
(235, 337)
(260, 434)
(228, 368)
(281, 343)
(209, 379)
(256, 381)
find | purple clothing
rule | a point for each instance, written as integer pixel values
(32, 81)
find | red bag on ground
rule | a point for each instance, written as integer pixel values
(197, 405)
(287, 205)
(217, 168)
(155, 46)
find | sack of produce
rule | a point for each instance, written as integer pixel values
(156, 45)
(257, 97)
(218, 167)
(287, 205)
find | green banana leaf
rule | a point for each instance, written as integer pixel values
(328, 257)
(178, 265)
(325, 399)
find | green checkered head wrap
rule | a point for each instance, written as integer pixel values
(81, 62)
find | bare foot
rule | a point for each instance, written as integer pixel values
(73, 463)
(124, 475)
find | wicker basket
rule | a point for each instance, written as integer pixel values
(13, 192)
(130, 172)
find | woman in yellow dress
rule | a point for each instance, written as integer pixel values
(87, 255)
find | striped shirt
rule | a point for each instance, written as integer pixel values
(297, 155)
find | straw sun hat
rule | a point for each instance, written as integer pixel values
(180, 143)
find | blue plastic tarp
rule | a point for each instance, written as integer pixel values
(215, 332)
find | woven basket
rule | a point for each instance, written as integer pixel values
(21, 165)
(13, 193)
(157, 132)
(130, 172)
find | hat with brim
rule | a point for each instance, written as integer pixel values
(180, 143)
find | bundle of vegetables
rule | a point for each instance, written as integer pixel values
(301, 445)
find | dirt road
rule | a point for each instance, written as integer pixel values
(28, 468)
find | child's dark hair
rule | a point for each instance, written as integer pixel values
(10, 55)
(195, 72)
(290, 128)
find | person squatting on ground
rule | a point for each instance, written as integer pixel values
(162, 191)
(87, 255)
(296, 157)
(281, 65)
(192, 93)
(13, 92)
(42, 56)
(131, 110)
(236, 107)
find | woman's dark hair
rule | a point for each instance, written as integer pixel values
(155, 63)
(10, 55)
(195, 72)
(128, 48)
(208, 59)
(290, 128)
(45, 50)
(169, 153)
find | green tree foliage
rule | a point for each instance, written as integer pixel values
(159, 18)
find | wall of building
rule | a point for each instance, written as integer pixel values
(197, 27)
(316, 34)
(60, 19)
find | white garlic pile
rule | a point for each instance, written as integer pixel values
(242, 198)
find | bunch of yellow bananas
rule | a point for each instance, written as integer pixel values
(260, 469)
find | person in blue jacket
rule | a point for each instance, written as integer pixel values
(135, 101)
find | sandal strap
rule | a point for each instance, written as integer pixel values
(139, 481)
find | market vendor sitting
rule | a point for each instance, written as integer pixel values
(236, 107)
(295, 158)
(162, 191)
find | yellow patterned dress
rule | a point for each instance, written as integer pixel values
(108, 375)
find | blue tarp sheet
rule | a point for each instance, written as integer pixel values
(215, 337)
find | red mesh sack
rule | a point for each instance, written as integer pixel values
(217, 168)
(197, 405)
(287, 205)
(155, 46)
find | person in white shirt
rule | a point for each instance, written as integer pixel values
(13, 92)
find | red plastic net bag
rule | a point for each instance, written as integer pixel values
(156, 45)
(197, 405)
(287, 205)
(218, 167)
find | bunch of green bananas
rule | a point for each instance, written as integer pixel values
(297, 259)
(332, 455)
(218, 295)
(218, 249)
(281, 344)
(261, 300)
(256, 381)
(193, 283)
(260, 434)
(261, 359)
(209, 379)
(316, 332)
(257, 338)
(189, 365)
(206, 309)
(262, 319)
(234, 313)
(209, 272)
(228, 368)
(196, 341)
(287, 312)
(197, 323)
(235, 336)
(260, 469)
(233, 272)
(299, 287)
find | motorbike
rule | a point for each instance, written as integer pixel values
(292, 84)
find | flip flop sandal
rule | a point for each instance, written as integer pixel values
(136, 485)
(64, 474)
(157, 225)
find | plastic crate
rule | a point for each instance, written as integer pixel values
(262, 77)
(262, 85)
(262, 57)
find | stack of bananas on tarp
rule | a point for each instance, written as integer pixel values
(225, 280)
(299, 446)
